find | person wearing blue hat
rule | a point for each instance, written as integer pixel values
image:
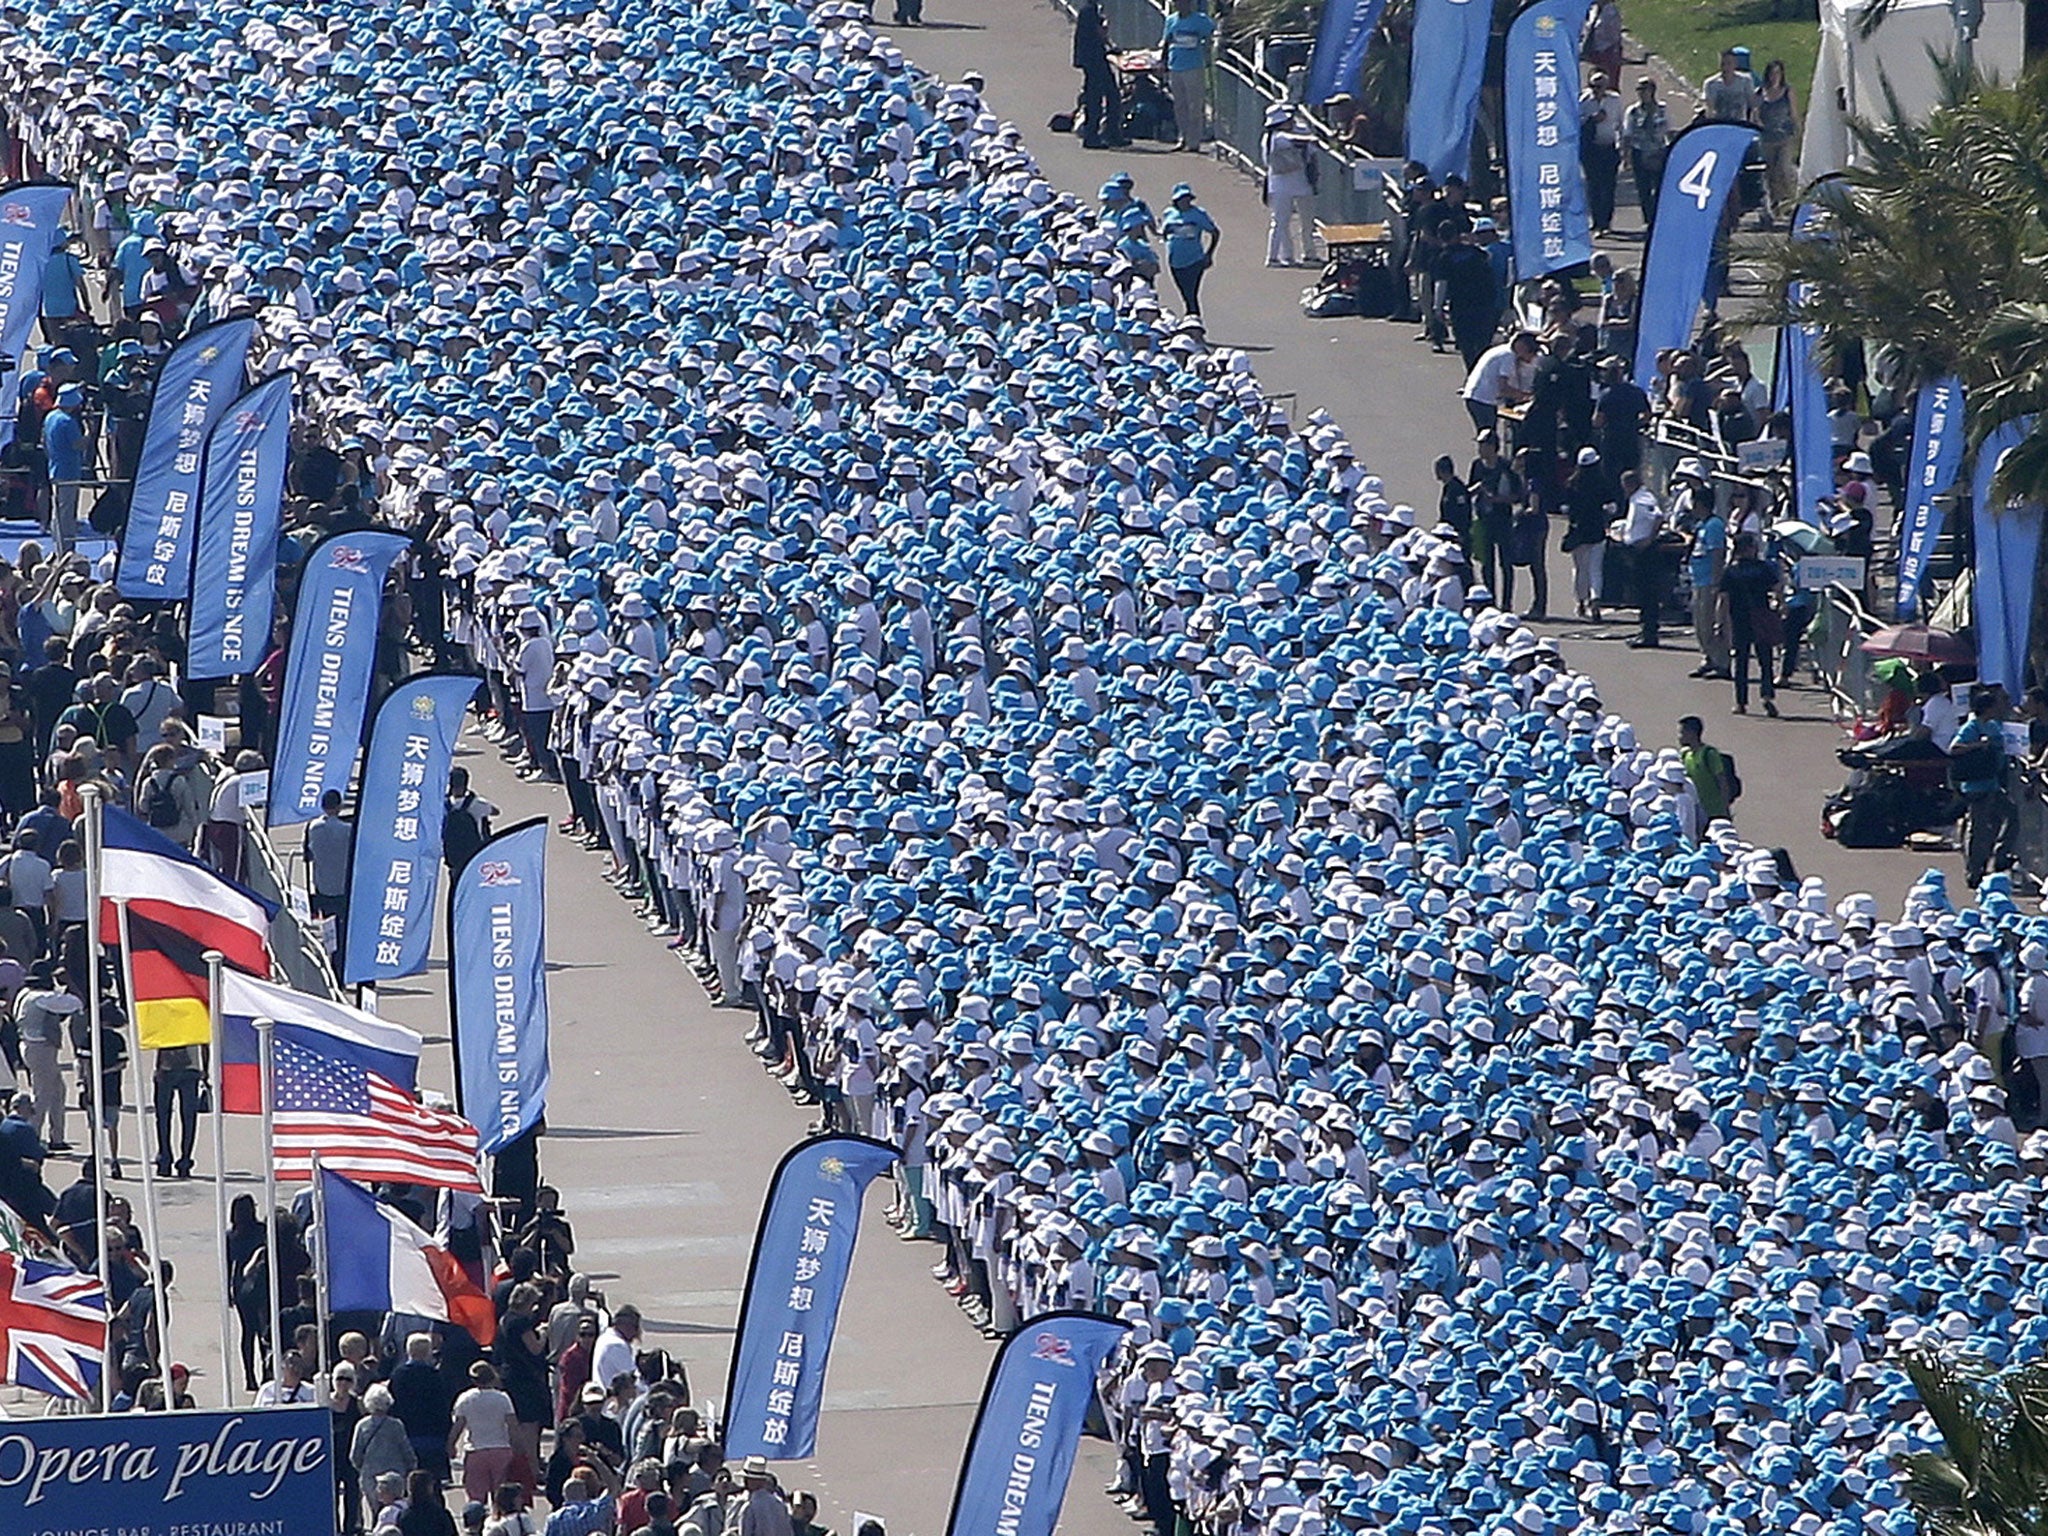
(1191, 241)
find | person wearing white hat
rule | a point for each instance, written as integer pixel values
(765, 1512)
(1290, 188)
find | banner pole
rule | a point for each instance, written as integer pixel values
(215, 961)
(95, 852)
(266, 1055)
(149, 1154)
(322, 1388)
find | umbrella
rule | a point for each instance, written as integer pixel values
(1921, 642)
(1803, 537)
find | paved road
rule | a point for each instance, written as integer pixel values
(1398, 402)
(664, 1130)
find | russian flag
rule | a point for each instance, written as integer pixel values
(377, 1261)
(377, 1045)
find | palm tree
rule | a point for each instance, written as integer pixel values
(1935, 247)
(1994, 1479)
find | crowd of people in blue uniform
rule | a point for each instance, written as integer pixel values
(1098, 783)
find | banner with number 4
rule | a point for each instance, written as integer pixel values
(1699, 173)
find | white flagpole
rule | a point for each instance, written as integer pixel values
(322, 1387)
(95, 841)
(214, 962)
(149, 1158)
(267, 1051)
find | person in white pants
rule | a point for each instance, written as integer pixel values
(1290, 196)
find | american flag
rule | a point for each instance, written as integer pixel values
(53, 1327)
(362, 1125)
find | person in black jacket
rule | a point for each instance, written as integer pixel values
(424, 1403)
(1102, 105)
(1464, 275)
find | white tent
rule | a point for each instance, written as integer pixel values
(1850, 78)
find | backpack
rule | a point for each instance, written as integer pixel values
(1734, 778)
(159, 806)
(463, 832)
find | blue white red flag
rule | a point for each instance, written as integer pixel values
(377, 1261)
(53, 1320)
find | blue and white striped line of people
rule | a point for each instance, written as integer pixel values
(1102, 784)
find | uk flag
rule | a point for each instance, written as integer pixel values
(53, 1327)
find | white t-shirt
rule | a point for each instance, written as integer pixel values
(487, 1415)
(536, 667)
(1497, 366)
(613, 1358)
(151, 703)
(27, 873)
(1943, 717)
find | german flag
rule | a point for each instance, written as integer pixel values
(178, 909)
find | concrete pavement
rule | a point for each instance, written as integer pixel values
(664, 1129)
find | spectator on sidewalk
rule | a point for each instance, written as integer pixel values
(1184, 45)
(64, 458)
(1977, 769)
(1600, 47)
(328, 839)
(1646, 136)
(1706, 531)
(1601, 114)
(1749, 586)
(1640, 529)
(1465, 278)
(1102, 107)
(1620, 412)
(1777, 109)
(1588, 504)
(1502, 376)
(1496, 491)
(1730, 94)
(1289, 189)
(1713, 782)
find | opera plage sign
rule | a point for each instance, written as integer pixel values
(263, 1473)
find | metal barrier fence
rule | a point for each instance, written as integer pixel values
(295, 944)
(2030, 824)
(1350, 188)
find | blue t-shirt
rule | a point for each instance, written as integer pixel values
(133, 267)
(1185, 41)
(63, 276)
(1708, 543)
(1184, 229)
(1988, 738)
(64, 444)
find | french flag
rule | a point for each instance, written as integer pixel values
(377, 1261)
(389, 1050)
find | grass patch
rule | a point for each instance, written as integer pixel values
(1690, 34)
